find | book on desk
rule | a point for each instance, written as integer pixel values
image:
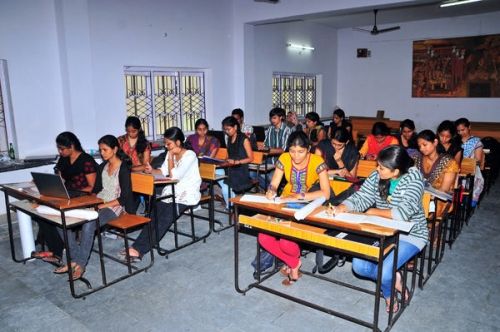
(210, 160)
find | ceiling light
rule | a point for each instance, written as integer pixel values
(300, 47)
(455, 3)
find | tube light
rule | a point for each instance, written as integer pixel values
(300, 47)
(455, 3)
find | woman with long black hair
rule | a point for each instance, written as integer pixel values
(114, 188)
(135, 145)
(393, 191)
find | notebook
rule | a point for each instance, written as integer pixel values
(53, 185)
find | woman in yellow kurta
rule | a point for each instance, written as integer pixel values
(303, 171)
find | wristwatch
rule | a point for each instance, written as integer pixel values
(302, 196)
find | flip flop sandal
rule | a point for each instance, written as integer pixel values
(77, 272)
(289, 281)
(53, 260)
(41, 254)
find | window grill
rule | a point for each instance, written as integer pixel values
(163, 99)
(4, 144)
(294, 92)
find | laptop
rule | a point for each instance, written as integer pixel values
(53, 185)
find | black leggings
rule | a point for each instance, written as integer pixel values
(49, 236)
(165, 218)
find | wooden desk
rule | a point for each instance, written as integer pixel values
(63, 205)
(312, 231)
(339, 185)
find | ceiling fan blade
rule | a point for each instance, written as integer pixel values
(388, 29)
(362, 30)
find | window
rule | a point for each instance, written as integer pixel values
(294, 92)
(7, 133)
(165, 98)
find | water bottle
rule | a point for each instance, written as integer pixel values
(12, 153)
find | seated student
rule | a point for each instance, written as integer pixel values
(379, 139)
(393, 191)
(201, 143)
(306, 176)
(114, 188)
(182, 165)
(339, 120)
(78, 170)
(472, 148)
(408, 137)
(276, 137)
(439, 170)
(240, 154)
(292, 121)
(245, 128)
(314, 129)
(135, 145)
(449, 142)
(339, 153)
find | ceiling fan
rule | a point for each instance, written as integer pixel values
(375, 30)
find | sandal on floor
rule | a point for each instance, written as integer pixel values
(289, 281)
(395, 306)
(77, 271)
(61, 269)
(41, 254)
(285, 271)
(122, 256)
(52, 260)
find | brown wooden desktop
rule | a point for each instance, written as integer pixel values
(62, 205)
(311, 231)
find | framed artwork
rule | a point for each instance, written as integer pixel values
(457, 67)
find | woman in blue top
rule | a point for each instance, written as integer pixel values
(395, 190)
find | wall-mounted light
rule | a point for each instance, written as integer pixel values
(300, 47)
(456, 3)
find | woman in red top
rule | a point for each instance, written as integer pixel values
(378, 140)
(135, 145)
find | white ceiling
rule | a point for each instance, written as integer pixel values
(410, 11)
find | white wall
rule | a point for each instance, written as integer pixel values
(29, 43)
(66, 60)
(268, 53)
(383, 81)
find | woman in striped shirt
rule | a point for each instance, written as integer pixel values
(395, 190)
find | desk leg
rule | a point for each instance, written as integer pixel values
(11, 232)
(390, 319)
(236, 253)
(101, 252)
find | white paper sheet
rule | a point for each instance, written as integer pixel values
(258, 199)
(356, 218)
(306, 210)
(77, 213)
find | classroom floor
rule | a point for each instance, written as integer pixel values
(193, 290)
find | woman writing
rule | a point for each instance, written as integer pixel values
(439, 170)
(379, 139)
(201, 143)
(449, 143)
(393, 191)
(182, 165)
(135, 145)
(114, 188)
(408, 137)
(78, 170)
(307, 179)
(240, 155)
(472, 148)
(314, 128)
(339, 153)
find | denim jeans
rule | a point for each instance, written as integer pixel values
(224, 187)
(369, 269)
(80, 251)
